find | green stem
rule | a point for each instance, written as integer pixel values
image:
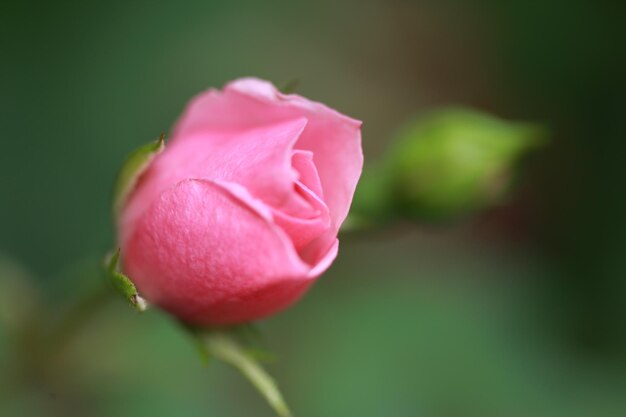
(39, 343)
(82, 312)
(225, 347)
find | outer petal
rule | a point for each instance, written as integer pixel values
(209, 253)
(334, 139)
(258, 158)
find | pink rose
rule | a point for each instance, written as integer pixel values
(240, 213)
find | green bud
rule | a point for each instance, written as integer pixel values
(456, 161)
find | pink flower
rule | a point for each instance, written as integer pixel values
(240, 213)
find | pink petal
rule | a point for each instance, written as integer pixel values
(334, 139)
(208, 252)
(257, 158)
(326, 260)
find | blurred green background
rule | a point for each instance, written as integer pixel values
(519, 310)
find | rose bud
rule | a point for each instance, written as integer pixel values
(239, 214)
(456, 161)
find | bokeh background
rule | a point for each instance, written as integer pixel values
(518, 310)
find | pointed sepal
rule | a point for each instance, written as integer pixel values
(290, 87)
(135, 164)
(123, 284)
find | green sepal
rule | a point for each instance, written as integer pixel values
(124, 285)
(201, 348)
(135, 164)
(251, 338)
(290, 87)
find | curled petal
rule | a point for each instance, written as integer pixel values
(333, 138)
(302, 162)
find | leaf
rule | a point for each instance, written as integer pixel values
(135, 164)
(225, 345)
(124, 285)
